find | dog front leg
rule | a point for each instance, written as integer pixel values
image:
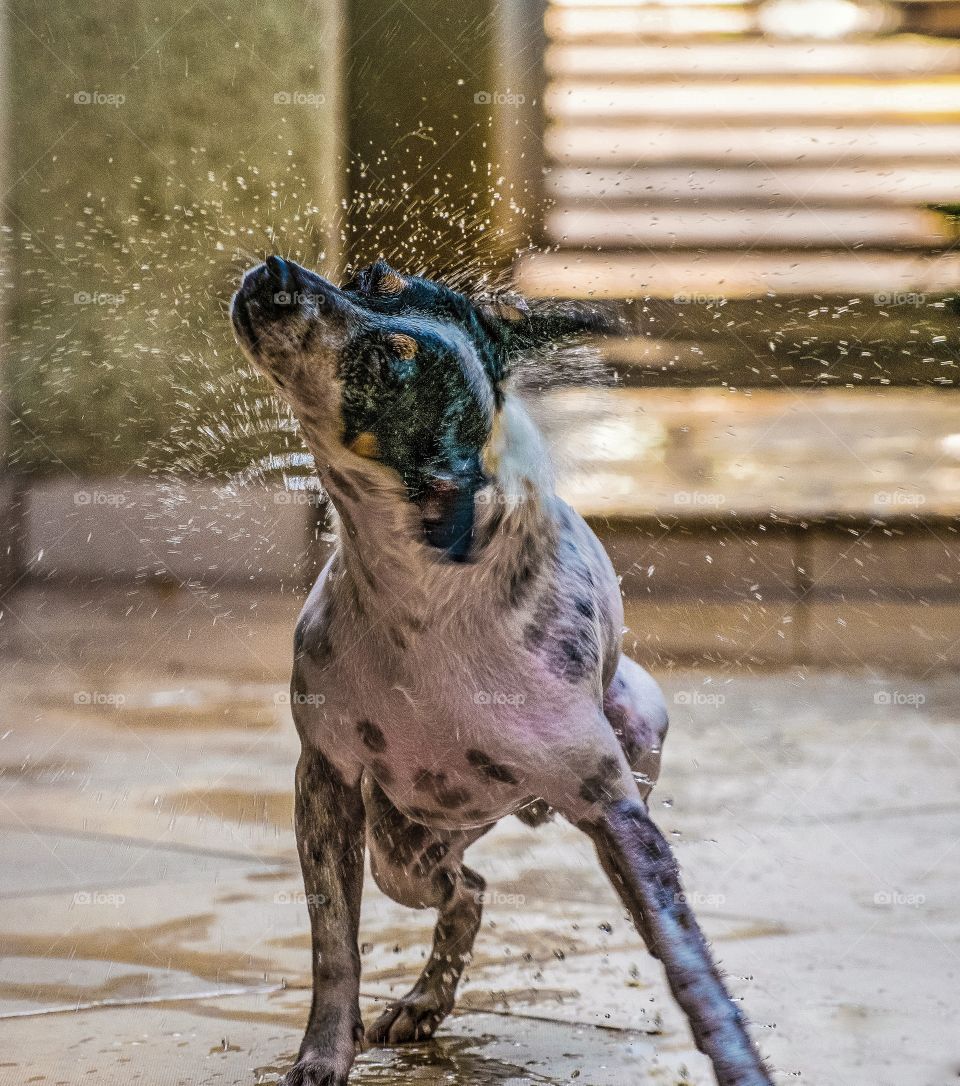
(330, 837)
(641, 865)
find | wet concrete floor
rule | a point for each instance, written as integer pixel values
(153, 931)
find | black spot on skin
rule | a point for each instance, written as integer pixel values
(535, 813)
(371, 736)
(399, 838)
(381, 771)
(599, 787)
(537, 630)
(435, 785)
(488, 768)
(523, 572)
(472, 881)
(445, 882)
(574, 659)
(431, 857)
(585, 608)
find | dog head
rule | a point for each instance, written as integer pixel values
(395, 368)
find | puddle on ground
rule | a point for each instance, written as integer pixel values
(147, 947)
(41, 772)
(446, 1059)
(234, 805)
(187, 707)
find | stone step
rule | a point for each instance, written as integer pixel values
(619, 23)
(576, 142)
(655, 452)
(789, 100)
(799, 227)
(880, 57)
(743, 358)
(888, 182)
(892, 278)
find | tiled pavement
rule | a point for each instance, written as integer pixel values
(152, 932)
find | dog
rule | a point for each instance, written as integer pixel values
(465, 637)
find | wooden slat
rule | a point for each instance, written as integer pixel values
(736, 275)
(746, 357)
(758, 177)
(791, 99)
(587, 7)
(628, 144)
(888, 182)
(656, 452)
(624, 24)
(693, 60)
(797, 227)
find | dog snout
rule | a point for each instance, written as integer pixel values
(281, 275)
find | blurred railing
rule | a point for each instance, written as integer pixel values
(776, 177)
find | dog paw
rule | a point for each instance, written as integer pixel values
(413, 1018)
(313, 1072)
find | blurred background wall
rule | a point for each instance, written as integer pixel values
(771, 188)
(149, 145)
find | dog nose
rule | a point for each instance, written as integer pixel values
(281, 274)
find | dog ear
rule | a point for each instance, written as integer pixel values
(520, 325)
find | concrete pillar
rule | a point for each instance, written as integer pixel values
(8, 504)
(444, 120)
(155, 152)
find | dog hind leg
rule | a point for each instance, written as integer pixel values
(642, 868)
(634, 706)
(422, 868)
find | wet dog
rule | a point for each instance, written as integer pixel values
(465, 637)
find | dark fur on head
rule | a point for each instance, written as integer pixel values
(513, 334)
(401, 369)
